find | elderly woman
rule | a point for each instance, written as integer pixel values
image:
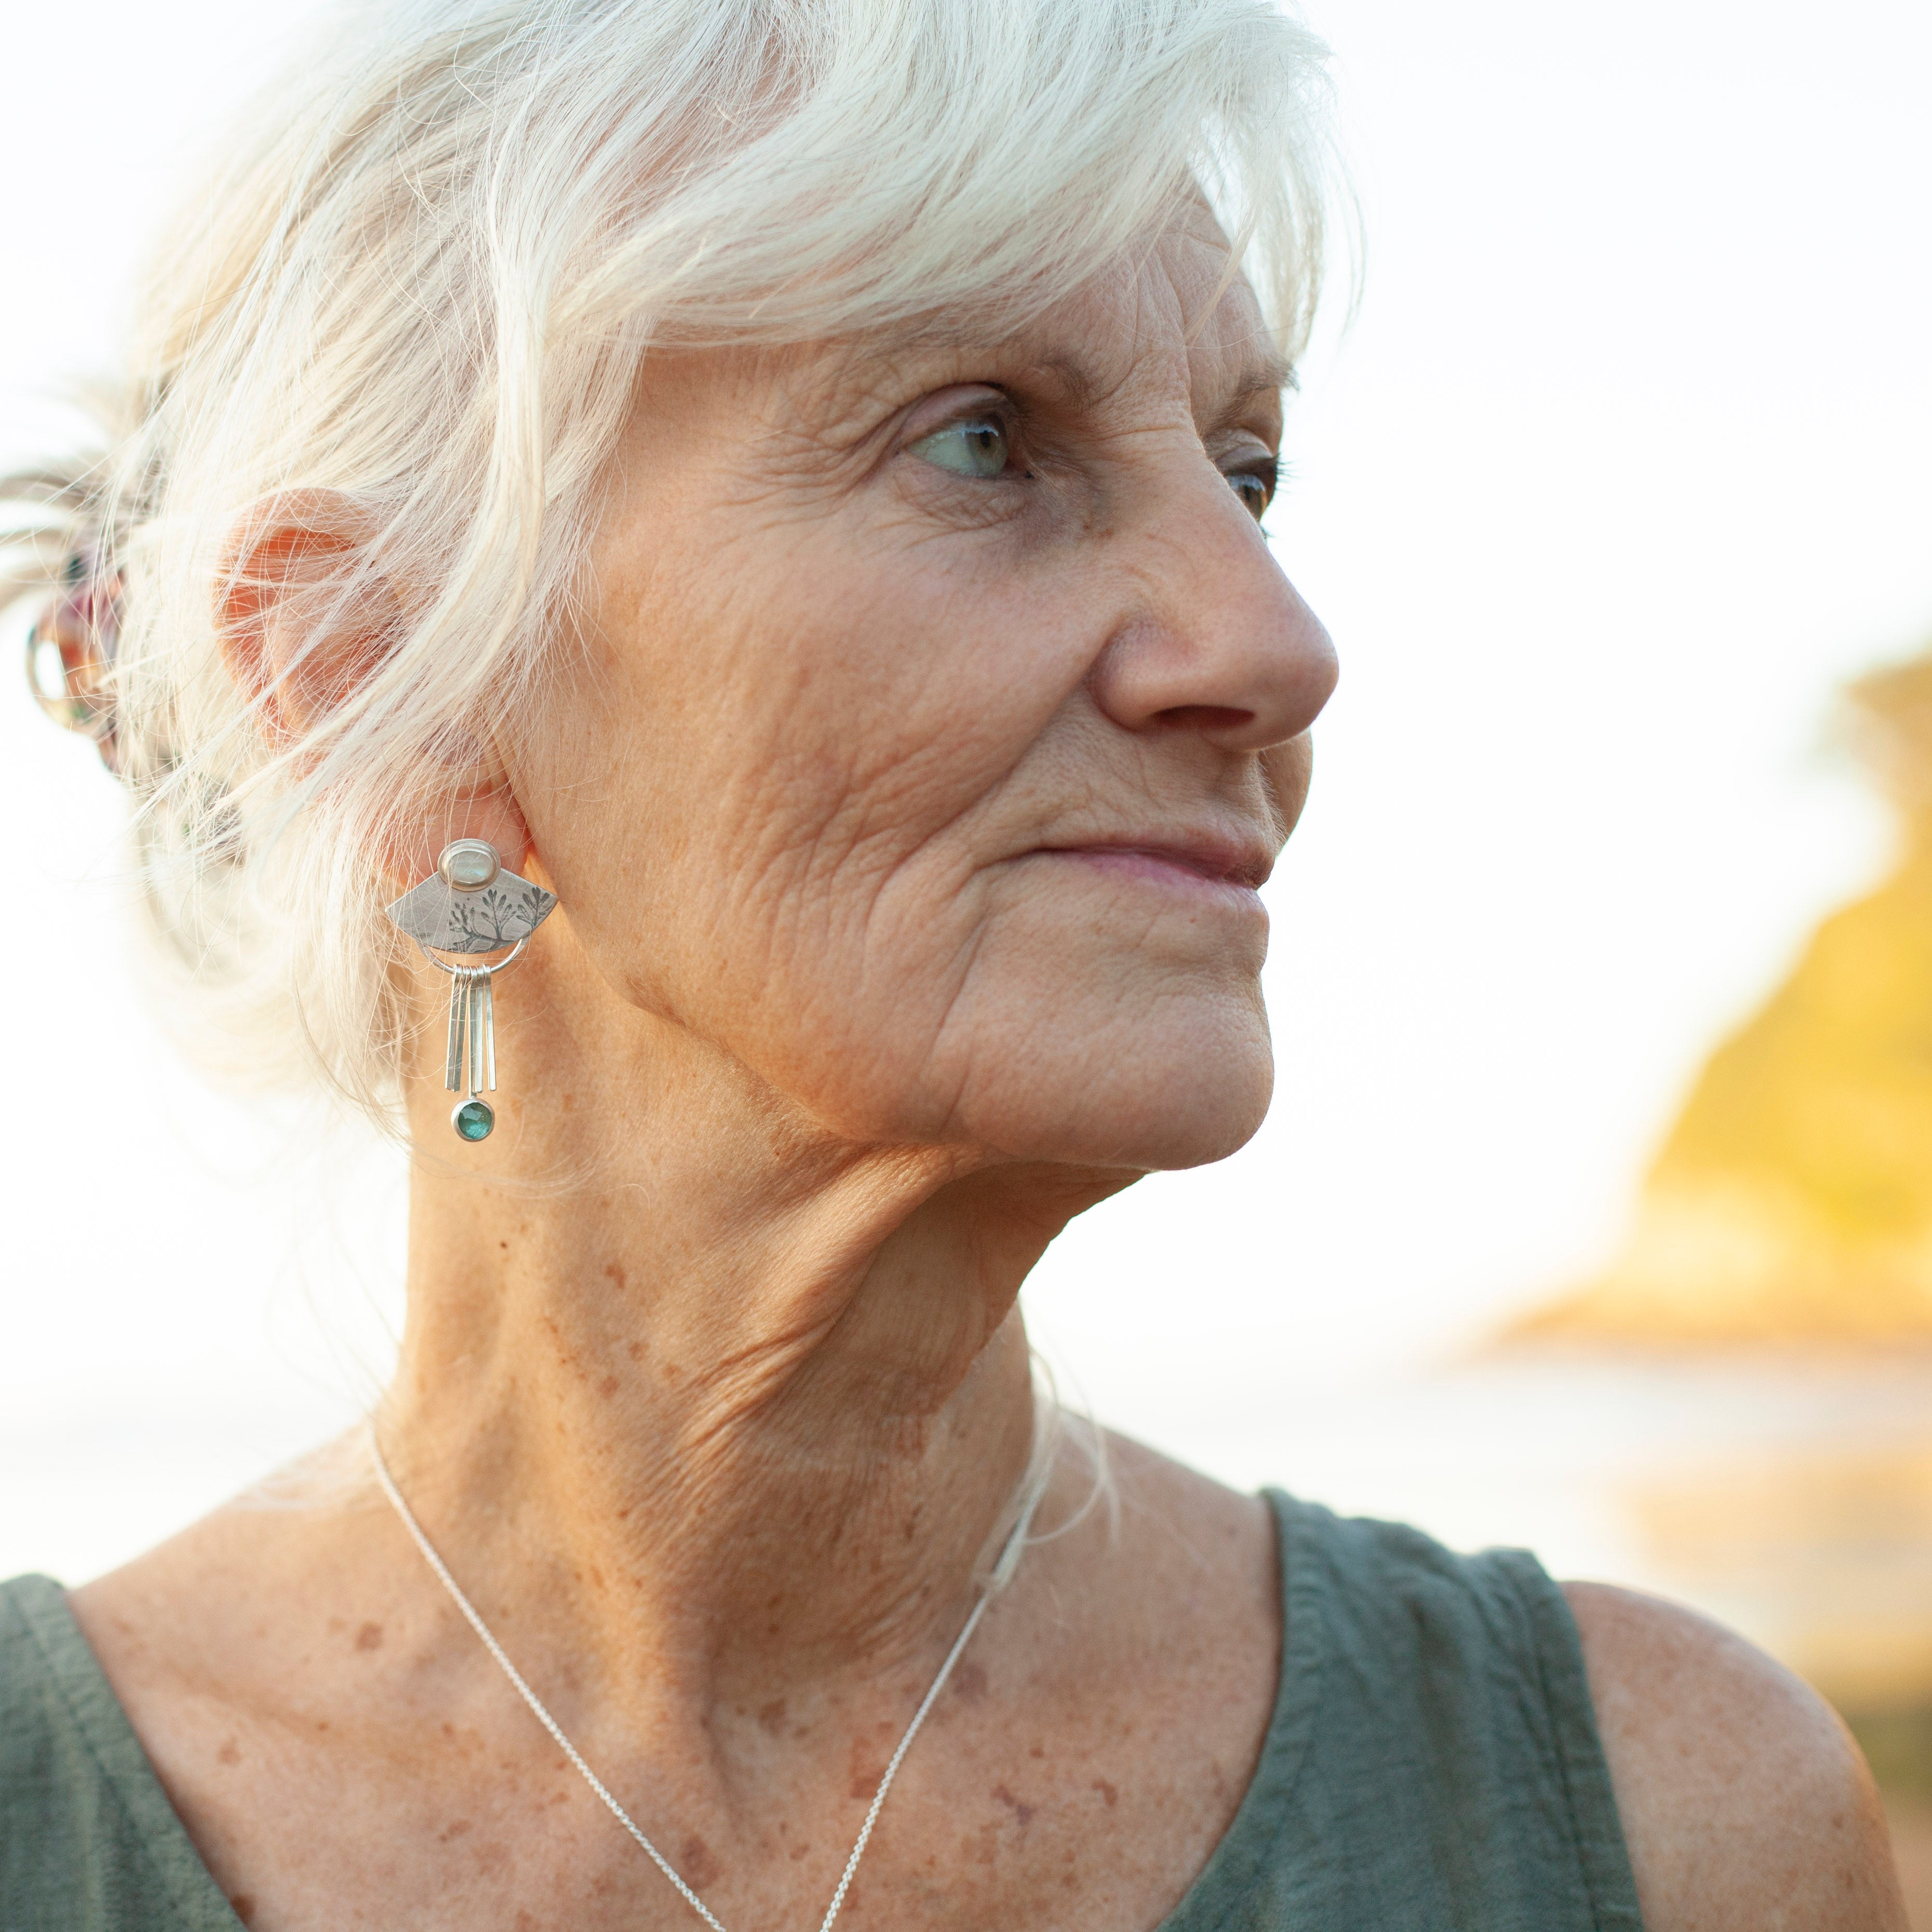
(680, 597)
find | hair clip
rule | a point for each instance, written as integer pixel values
(71, 650)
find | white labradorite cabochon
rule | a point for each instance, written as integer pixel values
(497, 911)
(470, 865)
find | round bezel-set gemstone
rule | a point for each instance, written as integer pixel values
(472, 1119)
(469, 864)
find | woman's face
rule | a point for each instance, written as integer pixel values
(939, 711)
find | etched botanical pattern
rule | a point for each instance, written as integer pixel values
(494, 916)
(451, 922)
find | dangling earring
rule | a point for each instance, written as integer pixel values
(471, 905)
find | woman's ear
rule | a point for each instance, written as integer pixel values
(301, 618)
(304, 618)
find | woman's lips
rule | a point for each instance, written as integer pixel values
(1192, 868)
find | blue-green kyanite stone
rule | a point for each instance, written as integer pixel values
(473, 1120)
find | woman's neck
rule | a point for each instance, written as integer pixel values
(734, 1418)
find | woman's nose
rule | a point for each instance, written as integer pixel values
(1213, 639)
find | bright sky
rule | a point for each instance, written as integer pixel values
(1622, 471)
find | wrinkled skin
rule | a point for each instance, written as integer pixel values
(935, 713)
(829, 788)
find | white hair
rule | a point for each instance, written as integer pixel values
(427, 285)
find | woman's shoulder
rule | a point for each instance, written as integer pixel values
(1426, 1755)
(1563, 1754)
(1744, 1802)
(89, 1842)
(1726, 1785)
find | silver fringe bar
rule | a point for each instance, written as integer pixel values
(470, 1064)
(490, 1024)
(459, 1003)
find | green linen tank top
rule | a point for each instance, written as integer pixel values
(1432, 1765)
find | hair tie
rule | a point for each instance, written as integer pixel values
(71, 650)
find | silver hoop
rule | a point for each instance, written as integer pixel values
(503, 964)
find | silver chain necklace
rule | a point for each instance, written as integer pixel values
(1002, 1574)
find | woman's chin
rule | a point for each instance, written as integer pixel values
(1152, 1112)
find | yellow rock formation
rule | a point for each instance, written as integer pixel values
(1793, 1200)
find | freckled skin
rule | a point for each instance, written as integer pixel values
(903, 821)
(697, 1865)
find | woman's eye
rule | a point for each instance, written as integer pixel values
(1256, 489)
(975, 447)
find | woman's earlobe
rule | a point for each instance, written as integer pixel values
(488, 811)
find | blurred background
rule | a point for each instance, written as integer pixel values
(1595, 1209)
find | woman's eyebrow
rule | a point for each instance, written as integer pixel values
(1273, 371)
(1265, 375)
(1079, 382)
(1081, 385)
